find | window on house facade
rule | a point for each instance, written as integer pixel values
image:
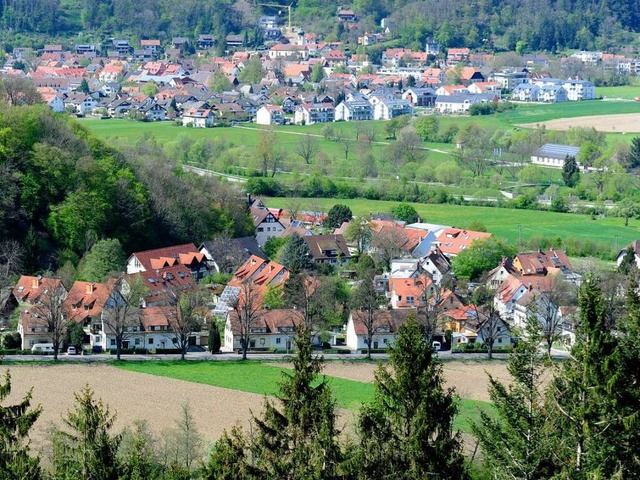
(113, 342)
(278, 341)
(150, 341)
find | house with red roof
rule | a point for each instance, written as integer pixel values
(452, 241)
(198, 118)
(160, 258)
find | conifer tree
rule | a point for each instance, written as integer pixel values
(582, 406)
(295, 254)
(87, 449)
(298, 441)
(515, 443)
(407, 431)
(15, 423)
(228, 460)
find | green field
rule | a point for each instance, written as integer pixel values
(502, 222)
(628, 92)
(262, 378)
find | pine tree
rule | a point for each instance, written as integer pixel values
(88, 450)
(581, 405)
(295, 254)
(228, 460)
(407, 431)
(15, 423)
(515, 444)
(299, 439)
(214, 342)
(570, 171)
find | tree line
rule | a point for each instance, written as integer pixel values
(574, 419)
(62, 190)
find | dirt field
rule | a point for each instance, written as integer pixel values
(132, 396)
(622, 123)
(467, 376)
(159, 400)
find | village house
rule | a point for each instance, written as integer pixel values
(273, 330)
(198, 118)
(151, 260)
(420, 97)
(388, 108)
(270, 115)
(266, 223)
(553, 155)
(457, 55)
(452, 241)
(310, 113)
(385, 328)
(409, 292)
(354, 110)
(509, 79)
(329, 249)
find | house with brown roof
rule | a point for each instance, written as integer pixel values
(385, 328)
(266, 223)
(272, 330)
(33, 328)
(187, 255)
(331, 249)
(163, 284)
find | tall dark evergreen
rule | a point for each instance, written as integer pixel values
(299, 440)
(86, 448)
(15, 423)
(295, 254)
(570, 171)
(579, 397)
(407, 431)
(338, 214)
(634, 153)
(515, 443)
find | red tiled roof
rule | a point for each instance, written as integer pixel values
(87, 299)
(29, 289)
(452, 241)
(383, 320)
(270, 320)
(168, 252)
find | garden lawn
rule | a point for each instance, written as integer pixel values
(503, 222)
(261, 378)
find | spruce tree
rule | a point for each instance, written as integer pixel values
(87, 449)
(295, 254)
(15, 423)
(570, 171)
(582, 407)
(298, 441)
(515, 443)
(407, 431)
(228, 460)
(214, 342)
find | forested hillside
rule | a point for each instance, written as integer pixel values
(61, 190)
(529, 25)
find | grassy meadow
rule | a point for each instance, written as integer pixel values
(503, 222)
(262, 378)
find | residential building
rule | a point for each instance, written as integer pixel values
(578, 90)
(452, 241)
(388, 107)
(198, 118)
(553, 155)
(354, 110)
(187, 255)
(310, 113)
(420, 97)
(236, 252)
(384, 328)
(270, 115)
(509, 79)
(266, 223)
(457, 55)
(272, 330)
(409, 292)
(329, 249)
(30, 289)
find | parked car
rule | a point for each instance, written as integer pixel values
(72, 350)
(42, 348)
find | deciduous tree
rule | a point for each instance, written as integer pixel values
(368, 301)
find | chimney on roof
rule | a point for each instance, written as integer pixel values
(90, 287)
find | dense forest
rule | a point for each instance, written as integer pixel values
(61, 190)
(535, 25)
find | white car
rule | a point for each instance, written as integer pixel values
(72, 350)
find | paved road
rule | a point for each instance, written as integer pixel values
(204, 356)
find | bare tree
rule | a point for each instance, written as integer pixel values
(307, 148)
(366, 300)
(246, 308)
(387, 244)
(184, 317)
(11, 253)
(182, 446)
(227, 254)
(490, 324)
(277, 158)
(122, 311)
(546, 308)
(265, 149)
(51, 309)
